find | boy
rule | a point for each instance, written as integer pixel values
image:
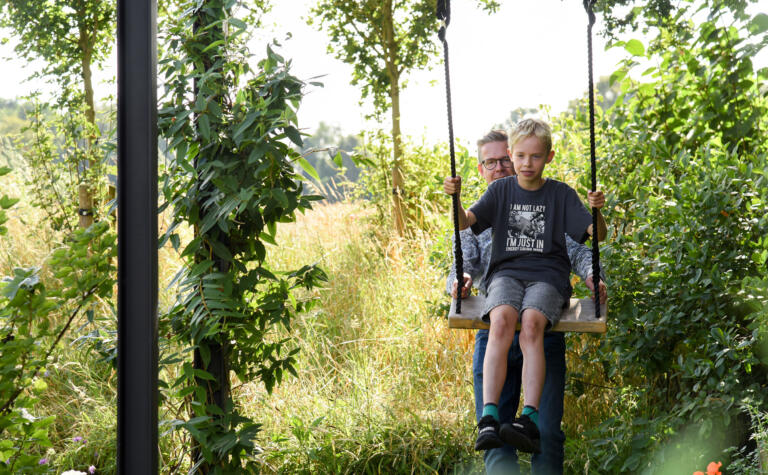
(528, 274)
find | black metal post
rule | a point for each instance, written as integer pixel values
(137, 237)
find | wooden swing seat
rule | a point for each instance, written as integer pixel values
(578, 317)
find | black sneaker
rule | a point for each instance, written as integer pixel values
(522, 435)
(488, 434)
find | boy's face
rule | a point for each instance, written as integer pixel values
(494, 151)
(529, 157)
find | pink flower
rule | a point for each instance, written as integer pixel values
(42, 461)
(91, 469)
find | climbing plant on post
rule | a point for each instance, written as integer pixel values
(232, 180)
(383, 41)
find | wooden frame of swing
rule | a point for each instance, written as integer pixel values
(578, 317)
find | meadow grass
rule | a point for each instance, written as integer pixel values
(383, 385)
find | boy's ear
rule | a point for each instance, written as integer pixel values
(551, 156)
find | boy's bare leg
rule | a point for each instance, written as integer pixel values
(500, 336)
(531, 339)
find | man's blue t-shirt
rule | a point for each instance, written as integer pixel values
(529, 230)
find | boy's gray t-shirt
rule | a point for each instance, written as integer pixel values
(529, 230)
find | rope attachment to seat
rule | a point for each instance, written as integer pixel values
(588, 6)
(444, 15)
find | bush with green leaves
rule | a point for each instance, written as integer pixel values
(685, 169)
(425, 206)
(34, 320)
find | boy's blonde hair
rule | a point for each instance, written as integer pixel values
(531, 128)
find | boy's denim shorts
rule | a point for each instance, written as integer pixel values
(522, 295)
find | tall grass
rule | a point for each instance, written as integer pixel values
(383, 386)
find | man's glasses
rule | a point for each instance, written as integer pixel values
(490, 163)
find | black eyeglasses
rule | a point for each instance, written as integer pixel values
(490, 163)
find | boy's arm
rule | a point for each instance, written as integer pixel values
(452, 185)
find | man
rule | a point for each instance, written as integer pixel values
(495, 164)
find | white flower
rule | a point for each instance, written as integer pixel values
(73, 472)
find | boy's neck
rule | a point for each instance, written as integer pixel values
(531, 184)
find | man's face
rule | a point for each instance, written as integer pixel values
(494, 152)
(529, 157)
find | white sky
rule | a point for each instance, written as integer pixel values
(527, 54)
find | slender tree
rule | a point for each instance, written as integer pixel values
(70, 37)
(383, 40)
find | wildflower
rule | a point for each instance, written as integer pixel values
(73, 472)
(714, 468)
(91, 469)
(78, 439)
(43, 461)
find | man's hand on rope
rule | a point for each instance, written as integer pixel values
(591, 286)
(467, 286)
(452, 185)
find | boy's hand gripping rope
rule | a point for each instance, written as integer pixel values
(444, 15)
(588, 6)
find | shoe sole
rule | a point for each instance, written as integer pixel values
(518, 440)
(488, 439)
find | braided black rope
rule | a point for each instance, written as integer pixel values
(588, 4)
(444, 14)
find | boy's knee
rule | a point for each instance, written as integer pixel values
(533, 326)
(504, 319)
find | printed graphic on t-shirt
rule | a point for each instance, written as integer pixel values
(525, 230)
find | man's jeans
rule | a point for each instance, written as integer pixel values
(504, 460)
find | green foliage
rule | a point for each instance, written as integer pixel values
(67, 35)
(426, 207)
(685, 172)
(30, 331)
(5, 203)
(330, 156)
(62, 153)
(232, 180)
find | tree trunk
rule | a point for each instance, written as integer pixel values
(85, 191)
(394, 94)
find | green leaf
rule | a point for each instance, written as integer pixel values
(4, 171)
(294, 135)
(758, 24)
(337, 159)
(280, 196)
(635, 48)
(6, 202)
(307, 167)
(204, 126)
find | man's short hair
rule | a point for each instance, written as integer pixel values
(531, 128)
(492, 136)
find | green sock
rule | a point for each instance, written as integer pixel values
(492, 410)
(532, 413)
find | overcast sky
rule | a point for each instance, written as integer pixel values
(527, 54)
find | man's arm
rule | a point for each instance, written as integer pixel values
(581, 265)
(452, 185)
(473, 265)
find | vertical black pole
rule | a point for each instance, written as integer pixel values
(137, 237)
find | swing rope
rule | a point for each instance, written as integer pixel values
(444, 15)
(588, 6)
